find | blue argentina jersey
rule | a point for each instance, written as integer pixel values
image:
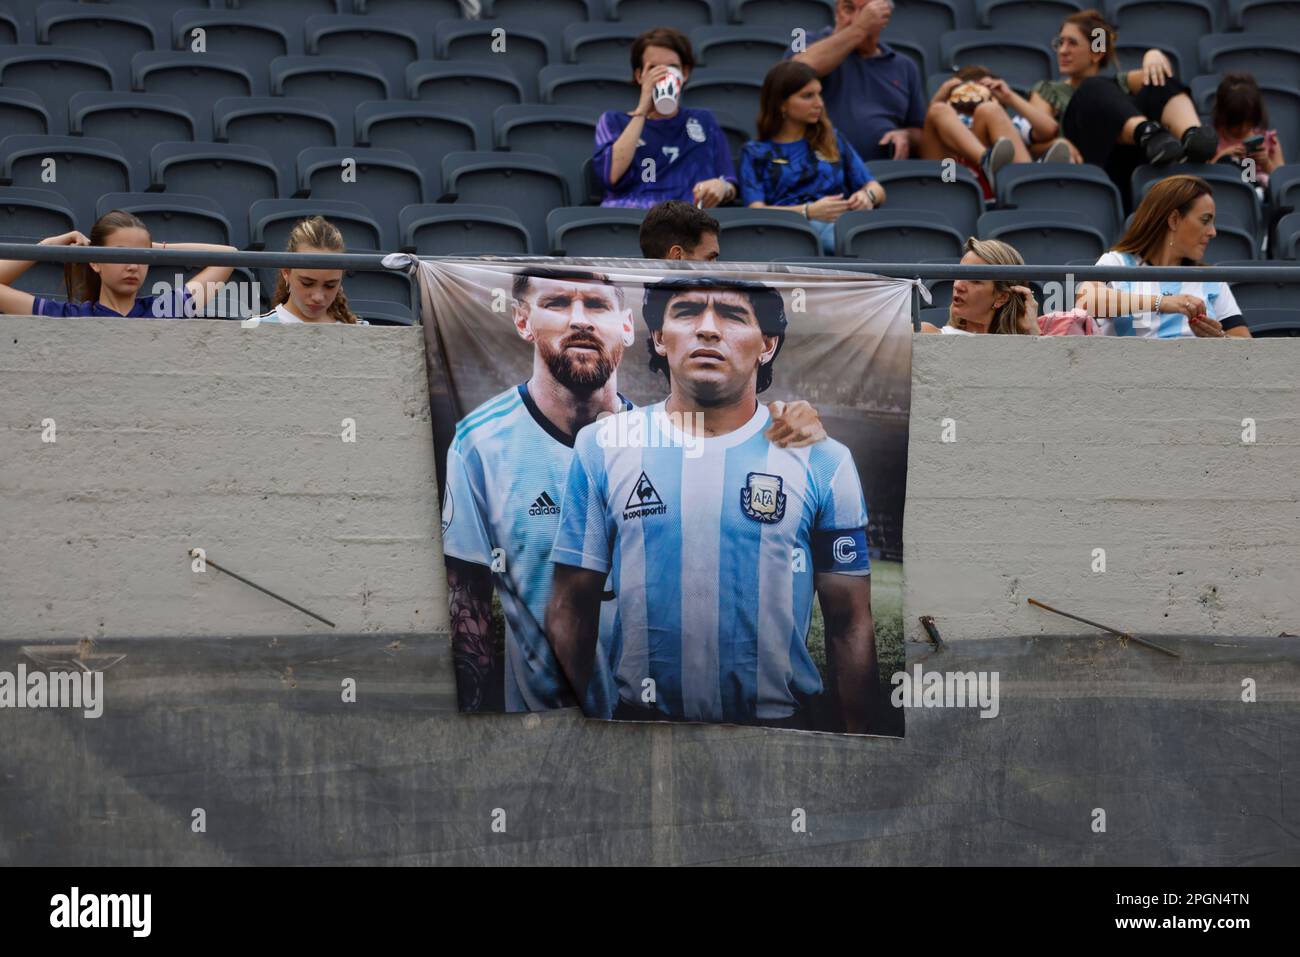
(505, 476)
(711, 547)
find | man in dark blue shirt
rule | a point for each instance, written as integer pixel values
(873, 94)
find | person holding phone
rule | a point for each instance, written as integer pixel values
(799, 161)
(1171, 227)
(663, 150)
(1241, 120)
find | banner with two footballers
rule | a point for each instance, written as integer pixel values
(672, 493)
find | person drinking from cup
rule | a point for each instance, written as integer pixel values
(662, 149)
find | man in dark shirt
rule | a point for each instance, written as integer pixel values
(872, 93)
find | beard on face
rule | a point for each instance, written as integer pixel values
(579, 371)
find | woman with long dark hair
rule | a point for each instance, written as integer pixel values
(1171, 227)
(799, 162)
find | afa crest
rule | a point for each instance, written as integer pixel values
(762, 499)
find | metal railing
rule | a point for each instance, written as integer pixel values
(1286, 274)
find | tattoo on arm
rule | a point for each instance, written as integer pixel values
(478, 671)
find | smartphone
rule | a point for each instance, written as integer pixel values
(1254, 144)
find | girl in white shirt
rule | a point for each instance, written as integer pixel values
(312, 295)
(987, 305)
(1171, 227)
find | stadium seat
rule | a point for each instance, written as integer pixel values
(34, 213)
(1284, 187)
(941, 289)
(682, 14)
(476, 88)
(1262, 293)
(738, 48)
(565, 133)
(1287, 231)
(235, 175)
(282, 125)
(550, 15)
(118, 32)
(731, 91)
(289, 14)
(607, 43)
(341, 83)
(923, 22)
(22, 111)
(42, 279)
(883, 235)
(173, 217)
(1133, 45)
(135, 121)
(271, 220)
(1181, 23)
(237, 36)
(1020, 60)
(785, 15)
(526, 52)
(1272, 323)
(599, 86)
(1235, 202)
(916, 52)
(200, 79)
(935, 316)
(529, 183)
(738, 133)
(1085, 190)
(1231, 243)
(462, 229)
(594, 231)
(920, 184)
(1040, 17)
(410, 11)
(382, 312)
(385, 285)
(11, 30)
(82, 168)
(388, 43)
(416, 127)
(384, 181)
(55, 74)
(1268, 56)
(593, 190)
(1278, 17)
(1043, 236)
(761, 235)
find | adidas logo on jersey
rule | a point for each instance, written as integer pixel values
(544, 505)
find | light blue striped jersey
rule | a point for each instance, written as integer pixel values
(505, 475)
(1219, 304)
(711, 544)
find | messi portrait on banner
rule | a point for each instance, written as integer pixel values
(671, 494)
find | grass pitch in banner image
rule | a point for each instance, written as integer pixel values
(672, 494)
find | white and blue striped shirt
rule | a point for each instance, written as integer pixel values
(505, 475)
(1219, 304)
(711, 545)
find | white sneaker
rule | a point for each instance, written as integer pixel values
(995, 157)
(1059, 152)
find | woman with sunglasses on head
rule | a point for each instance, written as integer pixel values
(1119, 119)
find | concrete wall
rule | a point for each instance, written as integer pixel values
(1066, 445)
(171, 435)
(176, 434)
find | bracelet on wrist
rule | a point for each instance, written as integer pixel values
(1159, 297)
